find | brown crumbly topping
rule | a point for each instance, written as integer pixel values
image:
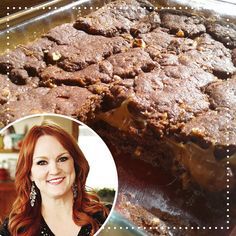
(224, 32)
(118, 19)
(175, 20)
(165, 66)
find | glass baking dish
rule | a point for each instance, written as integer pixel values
(29, 24)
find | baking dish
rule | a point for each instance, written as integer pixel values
(28, 25)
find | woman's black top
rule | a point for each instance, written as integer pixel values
(45, 230)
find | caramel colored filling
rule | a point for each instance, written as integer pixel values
(119, 118)
(201, 164)
(209, 173)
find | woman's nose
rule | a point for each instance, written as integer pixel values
(54, 168)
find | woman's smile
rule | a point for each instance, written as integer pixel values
(56, 181)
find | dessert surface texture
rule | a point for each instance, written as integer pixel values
(159, 84)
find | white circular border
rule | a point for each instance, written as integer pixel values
(81, 123)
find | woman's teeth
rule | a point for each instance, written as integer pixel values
(55, 181)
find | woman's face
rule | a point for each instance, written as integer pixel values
(53, 168)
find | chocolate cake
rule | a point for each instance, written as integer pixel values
(182, 23)
(157, 85)
(67, 100)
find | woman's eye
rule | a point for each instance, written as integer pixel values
(41, 163)
(63, 158)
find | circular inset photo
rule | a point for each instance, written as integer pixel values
(57, 176)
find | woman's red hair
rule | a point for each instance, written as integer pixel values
(24, 219)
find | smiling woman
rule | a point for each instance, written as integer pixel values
(53, 169)
(50, 181)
